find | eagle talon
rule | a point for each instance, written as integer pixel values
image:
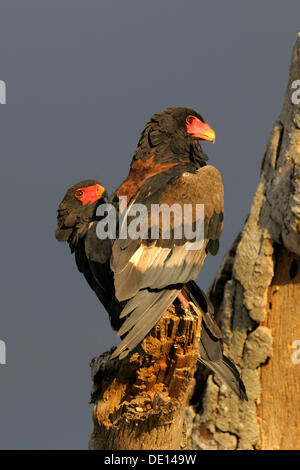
(184, 303)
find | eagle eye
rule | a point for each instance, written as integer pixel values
(190, 119)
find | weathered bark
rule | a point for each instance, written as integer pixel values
(279, 410)
(140, 401)
(256, 294)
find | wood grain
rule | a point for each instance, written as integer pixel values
(140, 401)
(280, 378)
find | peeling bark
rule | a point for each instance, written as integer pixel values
(140, 401)
(255, 294)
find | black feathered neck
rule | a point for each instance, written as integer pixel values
(74, 221)
(168, 147)
(84, 220)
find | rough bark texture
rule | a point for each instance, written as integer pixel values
(140, 401)
(256, 294)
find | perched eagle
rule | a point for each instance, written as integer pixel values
(137, 279)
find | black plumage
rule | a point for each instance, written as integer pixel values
(137, 280)
(168, 167)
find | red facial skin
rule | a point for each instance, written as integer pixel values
(199, 129)
(89, 194)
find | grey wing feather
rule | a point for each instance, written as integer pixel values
(146, 308)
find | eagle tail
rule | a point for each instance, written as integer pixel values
(211, 347)
(227, 371)
(143, 311)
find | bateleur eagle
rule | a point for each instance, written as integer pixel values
(137, 280)
(168, 167)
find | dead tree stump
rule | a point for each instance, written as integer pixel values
(256, 294)
(140, 401)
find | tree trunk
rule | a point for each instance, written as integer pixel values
(140, 401)
(256, 294)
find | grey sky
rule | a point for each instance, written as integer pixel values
(82, 78)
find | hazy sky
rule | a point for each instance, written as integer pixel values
(82, 78)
